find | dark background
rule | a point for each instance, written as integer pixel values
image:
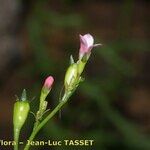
(112, 105)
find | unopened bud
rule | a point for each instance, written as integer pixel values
(46, 88)
(48, 83)
(21, 110)
(44, 93)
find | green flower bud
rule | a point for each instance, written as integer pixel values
(21, 110)
(71, 77)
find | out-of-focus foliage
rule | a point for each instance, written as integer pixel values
(91, 113)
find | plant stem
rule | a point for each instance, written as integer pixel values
(16, 138)
(40, 125)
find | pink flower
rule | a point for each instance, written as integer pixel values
(86, 44)
(48, 82)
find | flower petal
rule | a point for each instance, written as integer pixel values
(83, 45)
(89, 39)
(83, 40)
(48, 82)
(95, 45)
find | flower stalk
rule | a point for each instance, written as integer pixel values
(71, 82)
(64, 100)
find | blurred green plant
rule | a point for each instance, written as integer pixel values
(103, 123)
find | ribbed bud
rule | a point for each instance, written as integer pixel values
(71, 77)
(21, 110)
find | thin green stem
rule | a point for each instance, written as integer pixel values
(16, 138)
(40, 125)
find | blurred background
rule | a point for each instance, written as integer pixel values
(112, 105)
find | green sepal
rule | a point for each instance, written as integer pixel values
(24, 95)
(85, 57)
(71, 60)
(81, 65)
